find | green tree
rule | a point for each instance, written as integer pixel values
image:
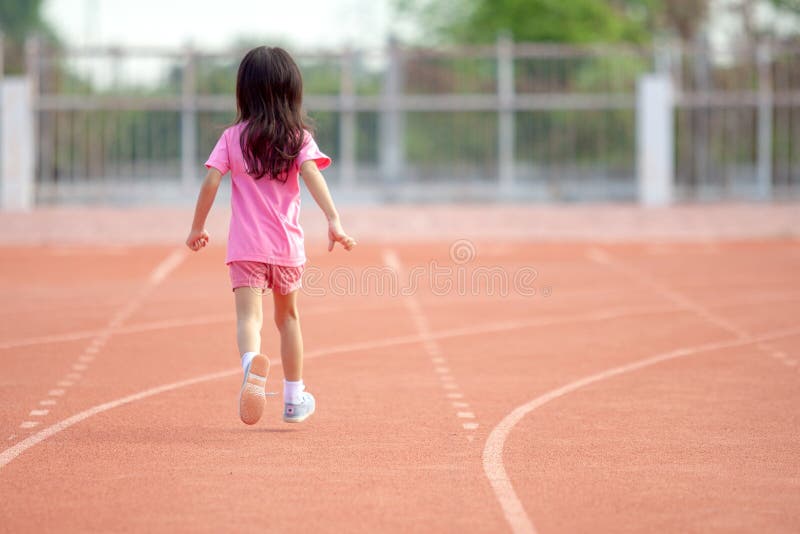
(20, 19)
(560, 21)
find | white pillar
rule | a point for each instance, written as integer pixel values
(347, 121)
(655, 146)
(17, 154)
(392, 118)
(505, 122)
(189, 164)
(764, 114)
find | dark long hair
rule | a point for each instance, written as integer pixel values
(269, 99)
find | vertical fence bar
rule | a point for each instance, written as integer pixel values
(392, 135)
(505, 103)
(765, 104)
(188, 121)
(347, 124)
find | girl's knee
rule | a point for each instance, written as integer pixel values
(286, 317)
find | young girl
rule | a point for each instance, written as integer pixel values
(265, 149)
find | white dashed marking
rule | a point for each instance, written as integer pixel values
(470, 426)
(55, 392)
(64, 384)
(39, 413)
(29, 424)
(80, 366)
(47, 402)
(391, 260)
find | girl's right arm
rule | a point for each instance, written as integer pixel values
(198, 236)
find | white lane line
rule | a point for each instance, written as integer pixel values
(167, 266)
(790, 363)
(779, 355)
(156, 276)
(459, 404)
(28, 424)
(513, 509)
(12, 452)
(7, 456)
(470, 426)
(392, 260)
(602, 257)
(47, 402)
(99, 337)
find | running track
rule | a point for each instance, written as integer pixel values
(642, 388)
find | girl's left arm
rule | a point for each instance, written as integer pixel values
(319, 190)
(198, 236)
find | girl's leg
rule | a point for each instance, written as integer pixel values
(249, 318)
(287, 320)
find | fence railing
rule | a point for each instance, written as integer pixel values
(507, 121)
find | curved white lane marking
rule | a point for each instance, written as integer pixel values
(13, 452)
(493, 466)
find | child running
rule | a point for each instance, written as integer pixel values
(267, 147)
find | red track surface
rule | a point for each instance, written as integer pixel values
(416, 425)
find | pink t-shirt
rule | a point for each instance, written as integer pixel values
(265, 213)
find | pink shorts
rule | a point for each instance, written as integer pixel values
(266, 276)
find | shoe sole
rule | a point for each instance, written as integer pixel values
(252, 396)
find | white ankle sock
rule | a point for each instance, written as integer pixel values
(293, 391)
(247, 357)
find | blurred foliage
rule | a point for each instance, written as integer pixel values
(20, 19)
(557, 21)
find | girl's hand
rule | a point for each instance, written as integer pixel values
(336, 235)
(197, 239)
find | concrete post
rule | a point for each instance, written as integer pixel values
(189, 166)
(392, 135)
(505, 122)
(347, 122)
(764, 113)
(17, 154)
(655, 146)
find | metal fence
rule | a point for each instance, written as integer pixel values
(508, 121)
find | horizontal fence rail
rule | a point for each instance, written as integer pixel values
(505, 121)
